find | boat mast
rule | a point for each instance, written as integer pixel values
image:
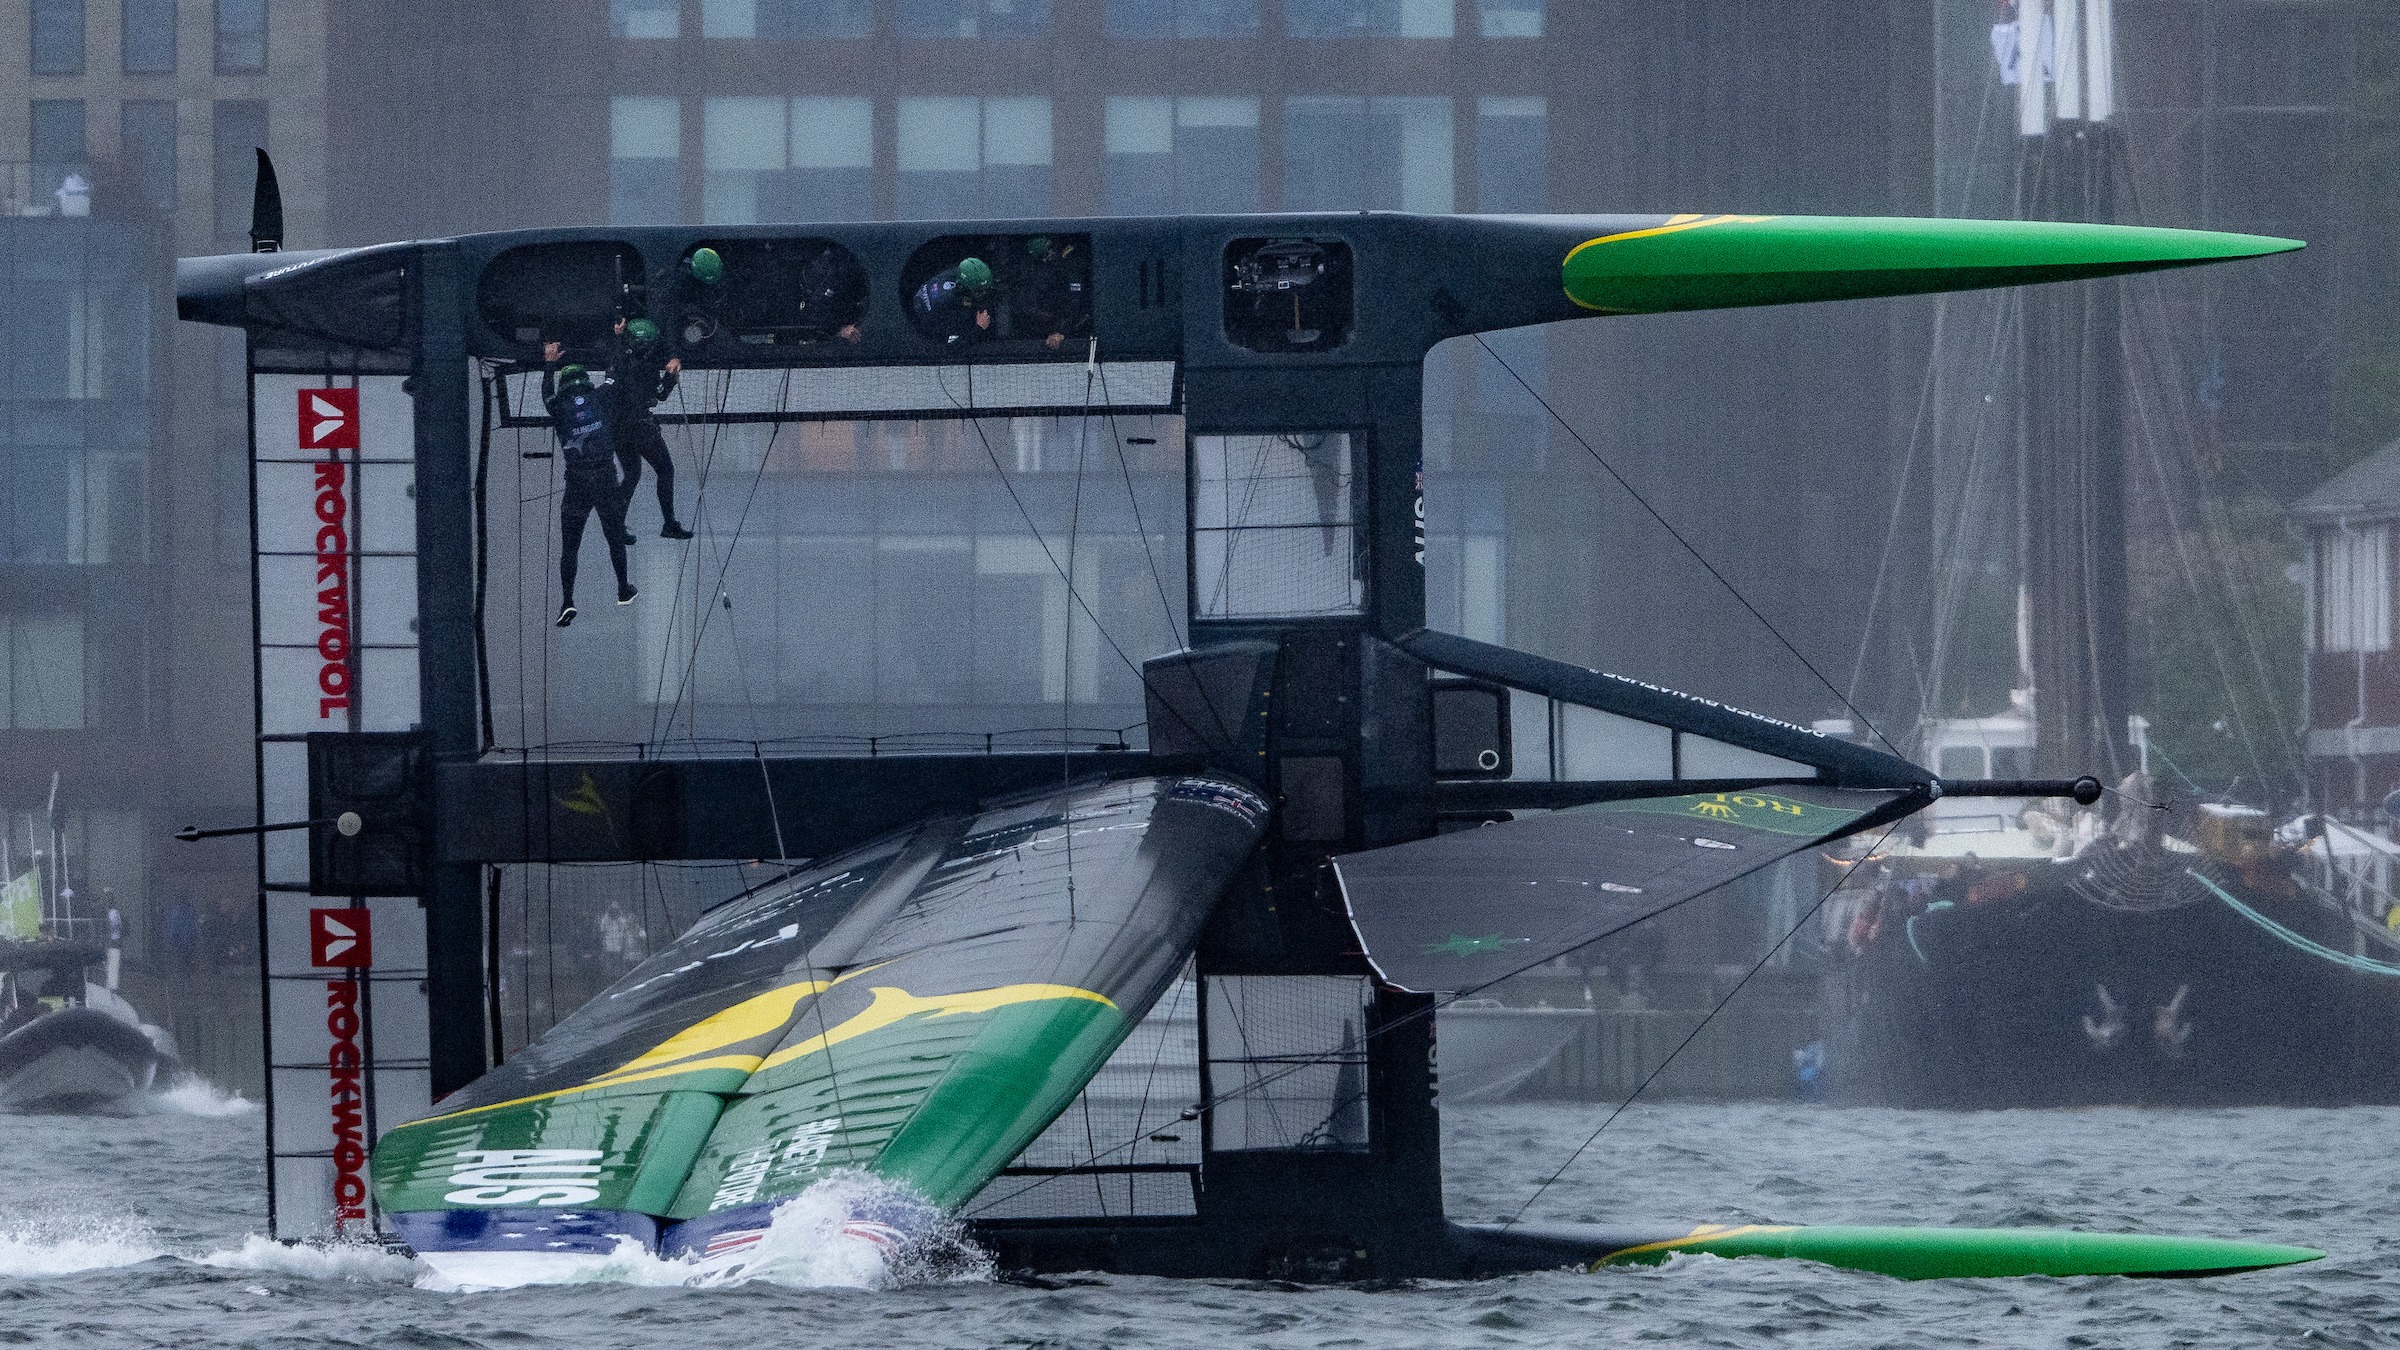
(2070, 383)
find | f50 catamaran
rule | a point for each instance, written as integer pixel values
(973, 934)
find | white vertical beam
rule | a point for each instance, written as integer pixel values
(2033, 112)
(2070, 53)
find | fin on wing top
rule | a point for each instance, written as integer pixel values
(727, 1073)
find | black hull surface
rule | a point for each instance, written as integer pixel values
(77, 1060)
(1999, 1005)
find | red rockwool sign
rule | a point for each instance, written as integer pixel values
(329, 419)
(340, 938)
(349, 1103)
(329, 422)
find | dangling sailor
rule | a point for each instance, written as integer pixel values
(579, 414)
(955, 304)
(639, 382)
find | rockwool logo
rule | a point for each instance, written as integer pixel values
(347, 1092)
(340, 938)
(328, 419)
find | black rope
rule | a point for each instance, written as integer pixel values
(1721, 1004)
(1688, 546)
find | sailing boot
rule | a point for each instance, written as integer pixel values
(674, 530)
(566, 614)
(626, 592)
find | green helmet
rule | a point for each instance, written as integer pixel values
(705, 266)
(1038, 246)
(975, 274)
(574, 378)
(642, 332)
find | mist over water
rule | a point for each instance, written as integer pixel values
(144, 1231)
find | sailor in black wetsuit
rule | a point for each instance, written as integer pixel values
(955, 304)
(579, 414)
(833, 295)
(637, 383)
(1052, 298)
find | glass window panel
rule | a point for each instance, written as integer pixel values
(833, 158)
(57, 136)
(940, 150)
(147, 38)
(1015, 18)
(1512, 154)
(645, 18)
(1216, 18)
(1412, 162)
(57, 37)
(1421, 18)
(1216, 154)
(1512, 18)
(645, 143)
(1324, 153)
(743, 155)
(46, 671)
(241, 37)
(1016, 131)
(1139, 18)
(729, 18)
(803, 20)
(1325, 18)
(147, 132)
(238, 126)
(1138, 177)
(937, 18)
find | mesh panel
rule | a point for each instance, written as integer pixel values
(1272, 533)
(1288, 1060)
(1122, 1148)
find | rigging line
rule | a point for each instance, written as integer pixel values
(690, 678)
(1133, 498)
(1039, 541)
(1677, 535)
(1755, 967)
(1066, 646)
(483, 558)
(685, 552)
(1299, 1063)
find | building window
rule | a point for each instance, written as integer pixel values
(645, 18)
(1168, 155)
(832, 159)
(963, 157)
(1182, 18)
(808, 158)
(44, 688)
(147, 132)
(241, 37)
(1512, 154)
(57, 135)
(148, 37)
(57, 37)
(1368, 18)
(787, 20)
(238, 127)
(2355, 614)
(1511, 18)
(1381, 154)
(645, 145)
(974, 18)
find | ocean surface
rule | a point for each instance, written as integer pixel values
(143, 1231)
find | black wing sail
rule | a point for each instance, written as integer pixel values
(1460, 911)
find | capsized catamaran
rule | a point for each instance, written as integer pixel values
(917, 1009)
(1337, 812)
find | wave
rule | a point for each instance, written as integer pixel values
(193, 1095)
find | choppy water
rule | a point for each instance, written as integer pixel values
(139, 1231)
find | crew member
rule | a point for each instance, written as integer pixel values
(833, 295)
(579, 414)
(639, 382)
(1054, 296)
(955, 304)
